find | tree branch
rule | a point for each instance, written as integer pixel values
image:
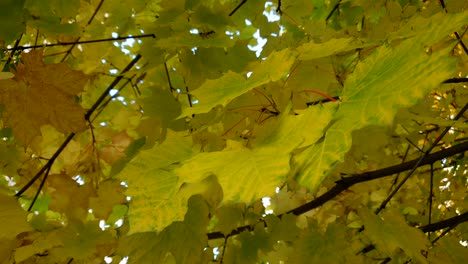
(456, 80)
(346, 182)
(84, 42)
(445, 223)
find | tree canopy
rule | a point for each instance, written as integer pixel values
(233, 131)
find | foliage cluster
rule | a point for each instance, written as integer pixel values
(181, 131)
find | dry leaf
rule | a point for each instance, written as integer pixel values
(41, 94)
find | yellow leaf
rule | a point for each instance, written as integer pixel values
(41, 94)
(12, 217)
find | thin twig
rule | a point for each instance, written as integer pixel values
(237, 7)
(46, 166)
(111, 86)
(169, 79)
(443, 234)
(461, 42)
(278, 8)
(431, 190)
(89, 22)
(109, 99)
(335, 8)
(85, 42)
(436, 141)
(14, 49)
(39, 189)
(398, 174)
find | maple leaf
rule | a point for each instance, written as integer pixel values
(42, 94)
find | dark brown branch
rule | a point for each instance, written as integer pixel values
(445, 223)
(85, 42)
(346, 182)
(456, 80)
(237, 7)
(72, 135)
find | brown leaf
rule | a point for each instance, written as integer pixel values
(42, 94)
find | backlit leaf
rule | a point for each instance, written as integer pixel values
(221, 91)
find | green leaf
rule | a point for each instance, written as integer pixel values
(230, 217)
(182, 241)
(231, 85)
(448, 250)
(12, 22)
(283, 228)
(331, 247)
(314, 50)
(389, 79)
(392, 233)
(248, 174)
(314, 163)
(151, 188)
(396, 77)
(244, 174)
(251, 244)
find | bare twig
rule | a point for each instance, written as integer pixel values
(89, 22)
(335, 8)
(14, 49)
(237, 7)
(40, 188)
(84, 42)
(416, 165)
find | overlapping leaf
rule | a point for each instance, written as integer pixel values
(182, 241)
(153, 189)
(391, 78)
(13, 218)
(388, 235)
(42, 94)
(231, 85)
(247, 174)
